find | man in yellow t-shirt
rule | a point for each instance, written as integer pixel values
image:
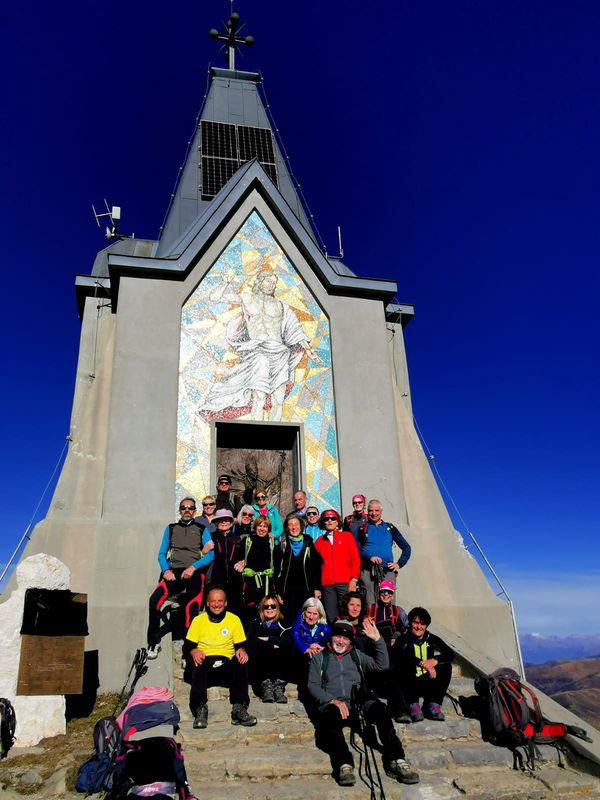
(214, 645)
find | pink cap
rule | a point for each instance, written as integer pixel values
(358, 497)
(386, 585)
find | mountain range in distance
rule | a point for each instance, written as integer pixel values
(575, 684)
(538, 648)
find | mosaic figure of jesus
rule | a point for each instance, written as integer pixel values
(269, 341)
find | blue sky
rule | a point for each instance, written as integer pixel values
(457, 146)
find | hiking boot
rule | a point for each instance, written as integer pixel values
(415, 712)
(435, 712)
(402, 771)
(346, 775)
(267, 691)
(153, 651)
(403, 717)
(201, 717)
(240, 716)
(279, 691)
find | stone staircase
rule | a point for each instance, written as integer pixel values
(278, 759)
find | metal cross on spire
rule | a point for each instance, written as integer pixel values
(231, 38)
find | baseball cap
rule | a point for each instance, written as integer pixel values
(386, 586)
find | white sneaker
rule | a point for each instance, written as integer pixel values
(153, 651)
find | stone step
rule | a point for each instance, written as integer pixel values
(324, 788)
(548, 781)
(259, 756)
(472, 784)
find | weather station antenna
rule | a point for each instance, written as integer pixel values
(231, 38)
(114, 215)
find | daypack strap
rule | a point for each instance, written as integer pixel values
(325, 657)
(538, 720)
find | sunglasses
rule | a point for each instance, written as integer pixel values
(188, 508)
(312, 513)
(247, 514)
(358, 502)
(385, 591)
(261, 496)
(209, 505)
(269, 605)
(330, 517)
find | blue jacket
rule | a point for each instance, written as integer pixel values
(313, 531)
(379, 543)
(276, 523)
(163, 561)
(305, 636)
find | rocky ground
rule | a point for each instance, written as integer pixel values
(49, 769)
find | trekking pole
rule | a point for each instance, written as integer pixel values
(362, 726)
(139, 665)
(377, 575)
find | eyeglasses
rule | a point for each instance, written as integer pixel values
(261, 496)
(188, 508)
(208, 505)
(269, 605)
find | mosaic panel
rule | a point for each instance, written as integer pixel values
(255, 346)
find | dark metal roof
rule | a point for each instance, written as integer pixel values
(130, 247)
(233, 99)
(341, 268)
(250, 177)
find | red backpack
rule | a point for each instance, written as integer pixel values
(512, 716)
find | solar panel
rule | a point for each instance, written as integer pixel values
(215, 174)
(219, 139)
(256, 143)
(225, 147)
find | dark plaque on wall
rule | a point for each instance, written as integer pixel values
(52, 642)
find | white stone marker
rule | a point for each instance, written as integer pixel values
(41, 716)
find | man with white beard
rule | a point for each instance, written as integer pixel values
(336, 680)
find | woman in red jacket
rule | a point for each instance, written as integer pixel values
(341, 562)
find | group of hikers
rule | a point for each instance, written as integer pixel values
(309, 599)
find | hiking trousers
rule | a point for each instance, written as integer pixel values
(219, 671)
(189, 604)
(329, 733)
(432, 690)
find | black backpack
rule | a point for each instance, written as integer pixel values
(106, 736)
(156, 763)
(8, 722)
(509, 720)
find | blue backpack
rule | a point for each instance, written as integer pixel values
(95, 775)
